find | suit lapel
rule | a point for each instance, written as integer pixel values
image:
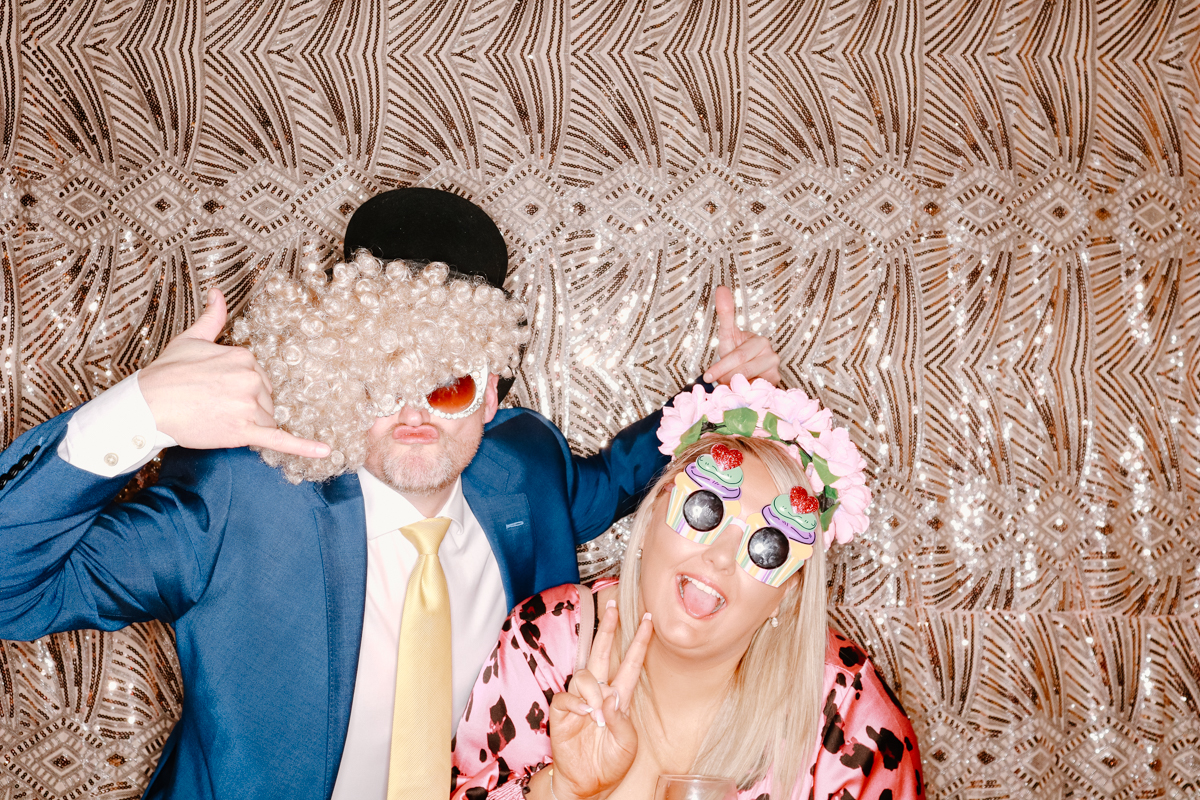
(341, 528)
(503, 515)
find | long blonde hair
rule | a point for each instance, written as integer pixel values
(772, 709)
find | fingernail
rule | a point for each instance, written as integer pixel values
(708, 377)
(599, 717)
(587, 709)
(610, 604)
(617, 699)
(646, 616)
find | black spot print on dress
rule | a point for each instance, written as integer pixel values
(861, 757)
(851, 656)
(501, 730)
(536, 716)
(533, 610)
(491, 667)
(477, 793)
(890, 747)
(834, 738)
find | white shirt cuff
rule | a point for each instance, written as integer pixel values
(113, 434)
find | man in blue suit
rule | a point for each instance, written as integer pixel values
(284, 611)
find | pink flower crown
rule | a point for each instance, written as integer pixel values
(833, 464)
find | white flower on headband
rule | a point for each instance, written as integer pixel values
(833, 464)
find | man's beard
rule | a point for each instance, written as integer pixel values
(418, 471)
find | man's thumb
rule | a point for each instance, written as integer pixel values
(208, 326)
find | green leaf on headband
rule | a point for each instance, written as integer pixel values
(805, 458)
(771, 426)
(691, 435)
(741, 421)
(827, 516)
(822, 466)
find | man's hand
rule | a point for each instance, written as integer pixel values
(205, 395)
(737, 350)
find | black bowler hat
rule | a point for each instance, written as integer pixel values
(418, 224)
(423, 225)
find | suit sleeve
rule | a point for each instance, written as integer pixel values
(72, 558)
(608, 485)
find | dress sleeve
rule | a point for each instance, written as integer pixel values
(503, 738)
(868, 749)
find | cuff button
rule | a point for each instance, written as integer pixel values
(139, 442)
(111, 459)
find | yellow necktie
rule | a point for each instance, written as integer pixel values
(420, 759)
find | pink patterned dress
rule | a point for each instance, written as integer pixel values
(868, 749)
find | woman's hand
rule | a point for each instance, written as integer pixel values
(591, 735)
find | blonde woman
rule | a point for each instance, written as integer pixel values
(712, 654)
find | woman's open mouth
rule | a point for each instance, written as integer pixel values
(699, 599)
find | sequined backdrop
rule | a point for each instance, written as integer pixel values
(969, 227)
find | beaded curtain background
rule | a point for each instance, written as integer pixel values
(970, 228)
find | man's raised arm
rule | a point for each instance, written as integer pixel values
(71, 558)
(610, 483)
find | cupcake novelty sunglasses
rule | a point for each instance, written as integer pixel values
(776, 540)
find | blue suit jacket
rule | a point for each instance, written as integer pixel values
(265, 581)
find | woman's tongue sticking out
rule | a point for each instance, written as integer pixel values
(699, 599)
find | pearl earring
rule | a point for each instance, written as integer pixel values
(638, 554)
(774, 622)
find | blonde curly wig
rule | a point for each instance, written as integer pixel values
(340, 352)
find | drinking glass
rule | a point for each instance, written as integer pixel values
(694, 787)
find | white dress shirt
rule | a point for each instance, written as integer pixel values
(115, 434)
(477, 610)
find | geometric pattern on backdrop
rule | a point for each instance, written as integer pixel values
(970, 229)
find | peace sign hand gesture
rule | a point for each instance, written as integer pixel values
(592, 737)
